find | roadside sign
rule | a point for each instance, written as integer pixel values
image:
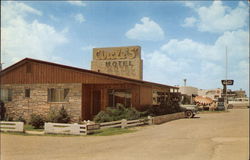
(93, 126)
(227, 82)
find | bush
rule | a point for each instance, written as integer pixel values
(8, 117)
(162, 109)
(2, 110)
(37, 121)
(60, 116)
(63, 116)
(118, 113)
(21, 119)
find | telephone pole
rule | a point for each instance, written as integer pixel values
(226, 81)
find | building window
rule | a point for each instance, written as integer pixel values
(58, 94)
(6, 95)
(119, 97)
(27, 93)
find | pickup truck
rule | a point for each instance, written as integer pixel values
(189, 109)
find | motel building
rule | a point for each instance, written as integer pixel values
(34, 86)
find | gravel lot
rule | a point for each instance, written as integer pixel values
(212, 136)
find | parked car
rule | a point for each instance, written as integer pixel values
(239, 103)
(189, 109)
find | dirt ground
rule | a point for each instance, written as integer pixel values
(212, 136)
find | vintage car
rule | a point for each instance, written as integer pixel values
(189, 109)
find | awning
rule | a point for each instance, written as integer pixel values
(203, 100)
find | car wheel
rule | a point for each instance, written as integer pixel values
(189, 114)
(230, 106)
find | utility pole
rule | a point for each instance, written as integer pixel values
(0, 62)
(0, 75)
(226, 81)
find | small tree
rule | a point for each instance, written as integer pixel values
(60, 116)
(21, 119)
(37, 121)
(63, 116)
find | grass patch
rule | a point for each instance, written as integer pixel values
(28, 127)
(102, 132)
(113, 131)
(13, 133)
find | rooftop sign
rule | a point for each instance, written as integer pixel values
(121, 61)
(227, 82)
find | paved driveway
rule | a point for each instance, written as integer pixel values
(214, 136)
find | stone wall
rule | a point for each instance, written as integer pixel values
(20, 106)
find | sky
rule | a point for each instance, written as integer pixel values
(180, 39)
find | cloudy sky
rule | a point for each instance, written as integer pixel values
(178, 39)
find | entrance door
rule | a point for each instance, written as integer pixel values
(96, 102)
(86, 102)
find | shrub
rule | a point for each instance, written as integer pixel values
(60, 116)
(164, 108)
(103, 116)
(8, 117)
(37, 121)
(21, 119)
(63, 116)
(2, 110)
(118, 113)
(52, 116)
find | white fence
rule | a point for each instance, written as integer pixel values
(89, 127)
(62, 128)
(84, 129)
(125, 123)
(11, 126)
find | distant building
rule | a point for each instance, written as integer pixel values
(232, 95)
(240, 94)
(188, 90)
(214, 94)
(188, 93)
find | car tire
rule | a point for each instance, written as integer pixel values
(189, 114)
(230, 106)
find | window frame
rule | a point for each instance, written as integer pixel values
(127, 99)
(6, 94)
(58, 95)
(27, 92)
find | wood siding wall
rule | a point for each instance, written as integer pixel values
(45, 73)
(146, 95)
(87, 97)
(104, 92)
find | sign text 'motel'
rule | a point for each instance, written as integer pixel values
(227, 82)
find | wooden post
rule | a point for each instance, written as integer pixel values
(150, 120)
(124, 123)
